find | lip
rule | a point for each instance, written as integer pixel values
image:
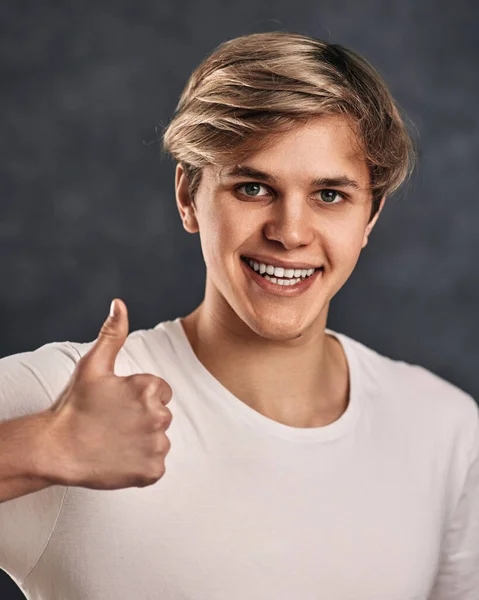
(280, 290)
(270, 260)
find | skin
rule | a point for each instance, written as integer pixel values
(272, 352)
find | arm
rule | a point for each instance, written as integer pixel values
(30, 382)
(22, 453)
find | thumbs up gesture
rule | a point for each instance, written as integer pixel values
(108, 432)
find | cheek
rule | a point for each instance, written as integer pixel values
(343, 247)
(221, 235)
(229, 229)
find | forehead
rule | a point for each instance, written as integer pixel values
(324, 146)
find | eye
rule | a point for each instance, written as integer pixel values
(328, 196)
(251, 188)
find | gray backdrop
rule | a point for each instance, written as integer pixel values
(87, 204)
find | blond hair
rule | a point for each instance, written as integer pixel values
(255, 85)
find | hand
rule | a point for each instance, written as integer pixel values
(108, 432)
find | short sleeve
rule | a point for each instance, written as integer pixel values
(458, 573)
(29, 383)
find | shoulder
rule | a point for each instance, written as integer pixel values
(414, 390)
(144, 351)
(30, 381)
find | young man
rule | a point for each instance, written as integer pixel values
(301, 464)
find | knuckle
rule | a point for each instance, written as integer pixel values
(165, 445)
(157, 470)
(166, 391)
(161, 420)
(154, 471)
(150, 388)
(142, 482)
(143, 381)
(162, 389)
(166, 386)
(165, 418)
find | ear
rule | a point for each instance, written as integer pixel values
(184, 203)
(372, 223)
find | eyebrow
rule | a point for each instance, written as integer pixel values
(337, 181)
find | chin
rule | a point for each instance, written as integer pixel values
(276, 330)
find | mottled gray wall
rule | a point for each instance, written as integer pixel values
(87, 205)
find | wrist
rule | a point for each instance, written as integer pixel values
(45, 458)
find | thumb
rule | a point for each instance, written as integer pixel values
(100, 360)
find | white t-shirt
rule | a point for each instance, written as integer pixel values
(382, 504)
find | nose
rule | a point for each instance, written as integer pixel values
(290, 222)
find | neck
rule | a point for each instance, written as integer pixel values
(302, 382)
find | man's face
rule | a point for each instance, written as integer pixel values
(309, 207)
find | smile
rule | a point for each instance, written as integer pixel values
(279, 281)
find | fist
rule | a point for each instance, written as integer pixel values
(108, 432)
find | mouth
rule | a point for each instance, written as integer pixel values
(276, 282)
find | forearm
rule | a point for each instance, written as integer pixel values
(20, 486)
(21, 450)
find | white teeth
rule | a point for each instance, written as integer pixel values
(291, 281)
(279, 271)
(282, 281)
